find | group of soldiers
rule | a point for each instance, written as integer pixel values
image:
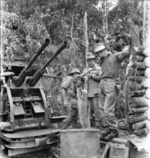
(101, 73)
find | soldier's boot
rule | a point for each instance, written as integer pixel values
(123, 124)
(108, 133)
(113, 134)
(104, 131)
(71, 118)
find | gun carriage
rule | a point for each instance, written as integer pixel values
(25, 125)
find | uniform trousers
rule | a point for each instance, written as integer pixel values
(107, 102)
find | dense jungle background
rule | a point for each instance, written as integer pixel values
(27, 23)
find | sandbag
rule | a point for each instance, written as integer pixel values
(135, 86)
(139, 110)
(147, 73)
(136, 79)
(137, 58)
(139, 125)
(137, 93)
(146, 83)
(146, 52)
(147, 93)
(139, 51)
(140, 73)
(139, 65)
(136, 118)
(138, 100)
(147, 61)
(134, 105)
(141, 132)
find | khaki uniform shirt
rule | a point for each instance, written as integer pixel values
(93, 86)
(69, 85)
(111, 64)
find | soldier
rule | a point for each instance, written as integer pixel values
(92, 74)
(110, 65)
(69, 97)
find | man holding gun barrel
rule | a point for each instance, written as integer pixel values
(110, 64)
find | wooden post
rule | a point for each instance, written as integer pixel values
(82, 94)
(83, 110)
(106, 20)
(86, 36)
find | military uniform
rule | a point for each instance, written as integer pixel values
(69, 104)
(70, 87)
(93, 89)
(110, 64)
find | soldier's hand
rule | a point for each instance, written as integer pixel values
(79, 83)
(66, 102)
(86, 78)
(90, 76)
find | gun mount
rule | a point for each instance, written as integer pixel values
(20, 79)
(32, 81)
(25, 111)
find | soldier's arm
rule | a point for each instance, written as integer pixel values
(97, 77)
(65, 84)
(122, 55)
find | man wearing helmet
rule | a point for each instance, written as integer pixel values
(110, 65)
(69, 98)
(92, 75)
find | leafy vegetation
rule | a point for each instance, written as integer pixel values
(27, 23)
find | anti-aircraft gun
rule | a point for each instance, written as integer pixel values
(25, 125)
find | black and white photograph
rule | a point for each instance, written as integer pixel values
(74, 78)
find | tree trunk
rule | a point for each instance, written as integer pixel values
(84, 115)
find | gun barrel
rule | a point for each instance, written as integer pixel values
(45, 44)
(20, 79)
(40, 72)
